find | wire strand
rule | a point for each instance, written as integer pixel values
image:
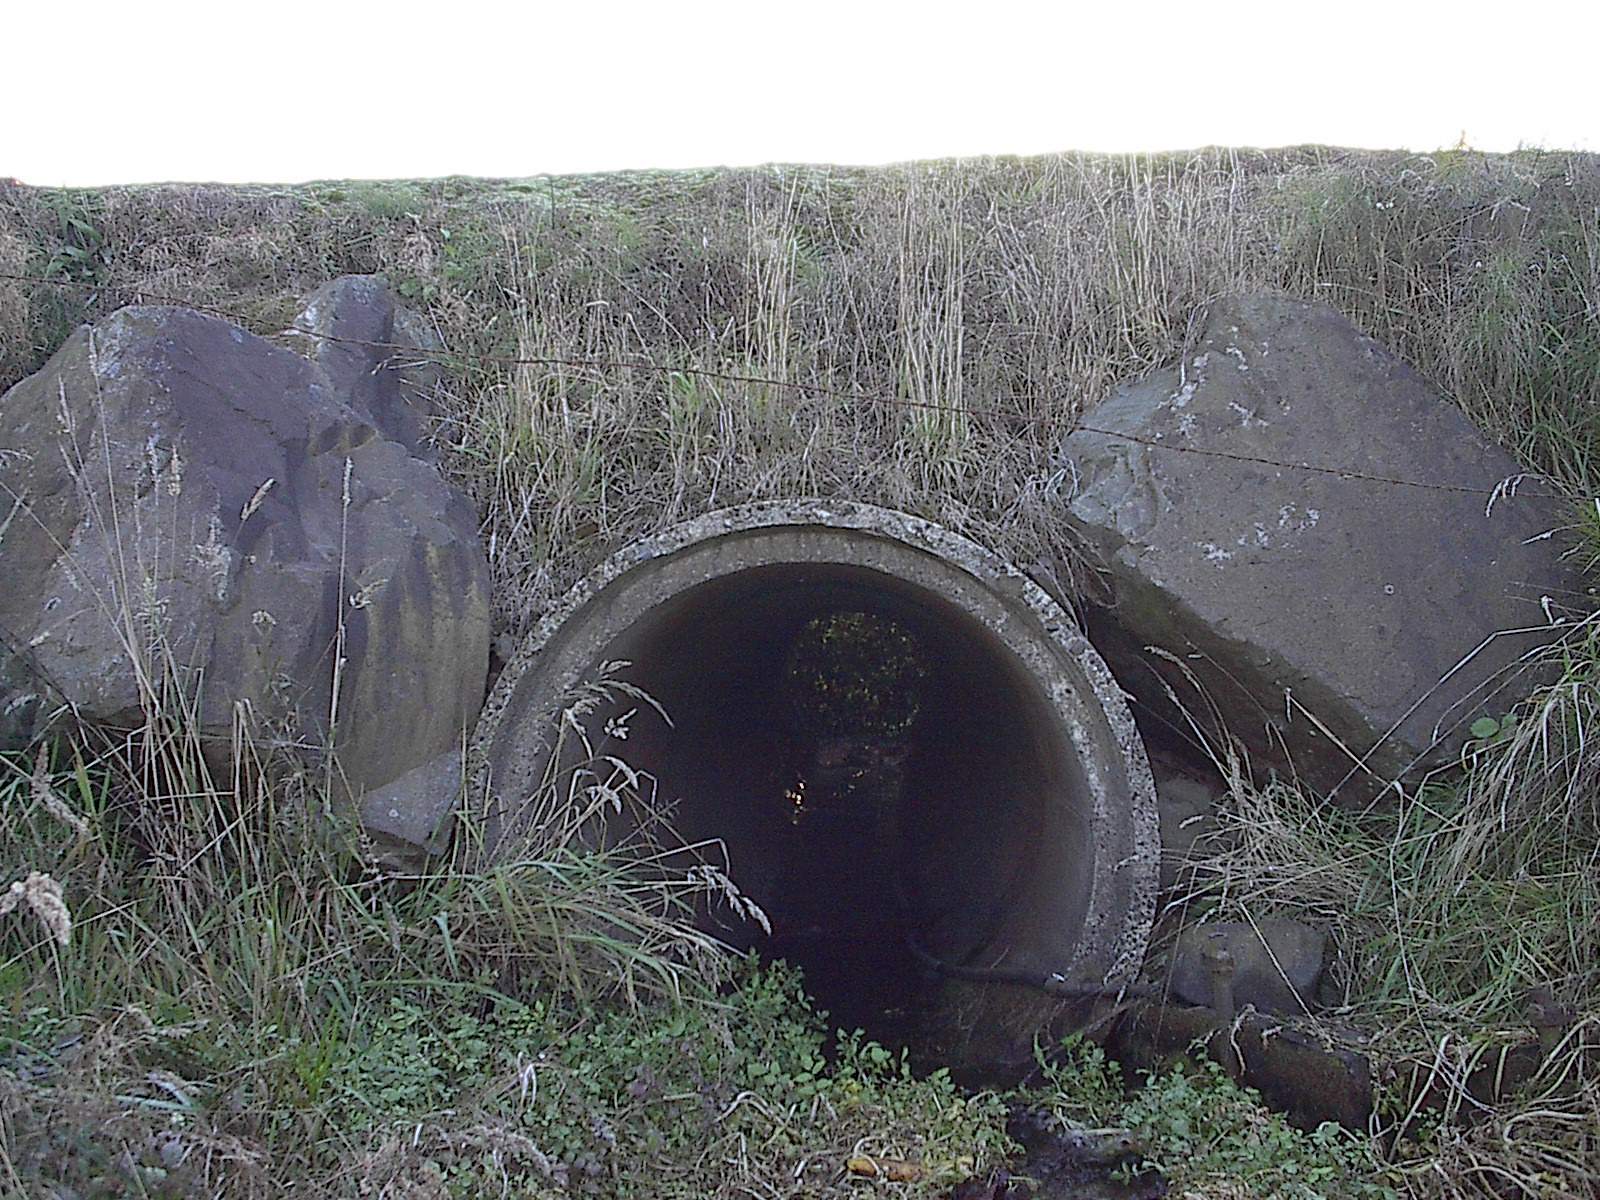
(1506, 488)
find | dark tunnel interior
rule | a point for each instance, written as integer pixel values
(877, 765)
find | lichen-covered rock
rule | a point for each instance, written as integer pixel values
(1353, 626)
(200, 506)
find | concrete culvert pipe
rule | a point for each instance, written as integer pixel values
(978, 789)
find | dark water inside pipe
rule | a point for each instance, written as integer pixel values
(840, 909)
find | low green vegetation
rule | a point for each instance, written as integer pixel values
(853, 672)
(205, 994)
(1207, 1135)
(241, 1009)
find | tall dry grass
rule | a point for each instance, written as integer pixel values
(1007, 294)
(1453, 911)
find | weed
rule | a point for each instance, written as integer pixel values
(386, 201)
(255, 1004)
(1207, 1135)
(80, 241)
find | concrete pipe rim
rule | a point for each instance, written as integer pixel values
(1088, 705)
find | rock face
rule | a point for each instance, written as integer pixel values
(368, 347)
(1327, 616)
(201, 505)
(26, 699)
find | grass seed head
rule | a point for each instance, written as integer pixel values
(42, 894)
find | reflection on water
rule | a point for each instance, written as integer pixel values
(795, 794)
(841, 906)
(862, 773)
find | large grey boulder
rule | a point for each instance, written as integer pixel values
(1353, 626)
(200, 506)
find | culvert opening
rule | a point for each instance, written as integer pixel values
(897, 739)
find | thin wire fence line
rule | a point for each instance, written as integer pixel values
(1505, 489)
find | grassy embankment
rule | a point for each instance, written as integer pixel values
(273, 1011)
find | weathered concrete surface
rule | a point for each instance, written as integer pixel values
(1314, 609)
(199, 503)
(1277, 963)
(1027, 825)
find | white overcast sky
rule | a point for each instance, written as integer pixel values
(285, 91)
